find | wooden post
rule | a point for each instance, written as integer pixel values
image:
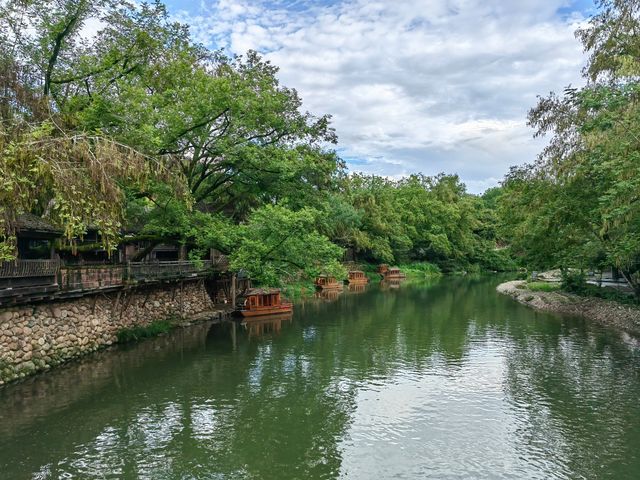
(233, 291)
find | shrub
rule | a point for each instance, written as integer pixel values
(497, 260)
(574, 281)
(422, 269)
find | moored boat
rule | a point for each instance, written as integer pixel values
(357, 277)
(262, 301)
(326, 282)
(393, 273)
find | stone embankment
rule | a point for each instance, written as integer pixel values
(36, 337)
(606, 312)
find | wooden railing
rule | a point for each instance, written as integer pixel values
(90, 277)
(143, 271)
(25, 280)
(29, 268)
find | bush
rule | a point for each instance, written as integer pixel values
(422, 269)
(134, 334)
(497, 260)
(299, 289)
(574, 282)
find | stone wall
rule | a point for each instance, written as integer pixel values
(38, 336)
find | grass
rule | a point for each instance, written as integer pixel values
(135, 334)
(421, 270)
(413, 270)
(543, 287)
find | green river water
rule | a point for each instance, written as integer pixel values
(443, 380)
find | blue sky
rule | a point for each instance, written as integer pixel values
(413, 85)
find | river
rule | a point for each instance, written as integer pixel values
(442, 379)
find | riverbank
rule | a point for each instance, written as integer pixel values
(36, 337)
(605, 312)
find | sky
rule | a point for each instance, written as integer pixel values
(424, 86)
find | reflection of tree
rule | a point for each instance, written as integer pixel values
(278, 406)
(578, 388)
(261, 394)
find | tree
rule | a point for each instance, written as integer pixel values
(277, 243)
(74, 177)
(579, 205)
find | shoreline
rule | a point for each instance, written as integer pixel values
(604, 312)
(213, 316)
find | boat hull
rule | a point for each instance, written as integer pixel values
(332, 286)
(263, 311)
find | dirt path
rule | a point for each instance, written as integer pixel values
(606, 312)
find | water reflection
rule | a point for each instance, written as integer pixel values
(328, 295)
(441, 380)
(391, 283)
(271, 324)
(357, 288)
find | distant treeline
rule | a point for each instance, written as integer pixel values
(141, 128)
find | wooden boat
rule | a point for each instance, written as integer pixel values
(262, 301)
(325, 282)
(394, 273)
(357, 277)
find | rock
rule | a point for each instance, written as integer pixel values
(28, 366)
(5, 316)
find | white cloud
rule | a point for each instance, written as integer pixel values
(422, 85)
